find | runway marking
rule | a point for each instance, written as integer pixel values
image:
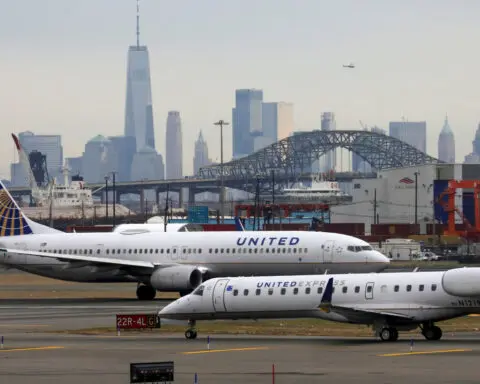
(31, 349)
(225, 350)
(24, 325)
(425, 352)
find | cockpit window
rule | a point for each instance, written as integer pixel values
(357, 248)
(198, 291)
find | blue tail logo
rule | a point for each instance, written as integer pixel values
(12, 221)
(239, 225)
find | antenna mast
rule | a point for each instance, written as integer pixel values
(138, 24)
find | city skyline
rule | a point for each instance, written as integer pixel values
(75, 84)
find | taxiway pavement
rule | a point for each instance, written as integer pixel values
(53, 358)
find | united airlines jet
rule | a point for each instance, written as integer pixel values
(389, 302)
(173, 261)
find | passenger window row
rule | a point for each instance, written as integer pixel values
(308, 290)
(257, 250)
(122, 251)
(421, 288)
(174, 251)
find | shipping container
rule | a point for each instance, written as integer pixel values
(218, 227)
(351, 229)
(395, 229)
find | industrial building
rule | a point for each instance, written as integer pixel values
(407, 195)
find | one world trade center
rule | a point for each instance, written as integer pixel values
(138, 107)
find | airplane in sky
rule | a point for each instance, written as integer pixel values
(389, 302)
(173, 261)
(351, 65)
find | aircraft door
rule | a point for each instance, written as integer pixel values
(369, 290)
(328, 249)
(183, 253)
(219, 295)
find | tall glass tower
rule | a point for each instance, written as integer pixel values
(138, 106)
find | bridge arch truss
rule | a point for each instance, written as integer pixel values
(294, 155)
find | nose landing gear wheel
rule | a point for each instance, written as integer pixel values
(191, 334)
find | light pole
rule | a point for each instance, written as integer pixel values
(416, 197)
(106, 197)
(221, 123)
(114, 195)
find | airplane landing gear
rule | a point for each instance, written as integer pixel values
(389, 334)
(146, 292)
(191, 332)
(431, 332)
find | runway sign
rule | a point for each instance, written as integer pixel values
(137, 321)
(151, 372)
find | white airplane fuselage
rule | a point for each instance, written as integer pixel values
(402, 300)
(221, 253)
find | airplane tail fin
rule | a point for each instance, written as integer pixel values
(326, 301)
(12, 220)
(238, 224)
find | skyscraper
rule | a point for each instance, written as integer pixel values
(446, 144)
(277, 120)
(474, 157)
(200, 158)
(410, 132)
(328, 123)
(138, 106)
(174, 152)
(246, 120)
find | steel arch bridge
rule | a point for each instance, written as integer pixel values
(294, 155)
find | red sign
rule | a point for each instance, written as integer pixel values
(137, 321)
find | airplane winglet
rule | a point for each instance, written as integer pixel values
(326, 301)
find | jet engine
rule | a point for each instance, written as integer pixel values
(176, 278)
(464, 282)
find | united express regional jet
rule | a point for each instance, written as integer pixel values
(389, 302)
(173, 261)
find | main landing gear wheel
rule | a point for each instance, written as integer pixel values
(432, 333)
(145, 292)
(389, 334)
(191, 334)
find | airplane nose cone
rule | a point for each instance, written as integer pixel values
(167, 310)
(382, 260)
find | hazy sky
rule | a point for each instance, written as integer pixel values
(63, 65)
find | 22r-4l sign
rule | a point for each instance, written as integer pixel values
(137, 321)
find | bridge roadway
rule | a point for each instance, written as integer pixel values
(197, 185)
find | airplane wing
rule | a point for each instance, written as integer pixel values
(85, 258)
(327, 306)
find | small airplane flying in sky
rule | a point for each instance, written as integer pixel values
(351, 65)
(389, 302)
